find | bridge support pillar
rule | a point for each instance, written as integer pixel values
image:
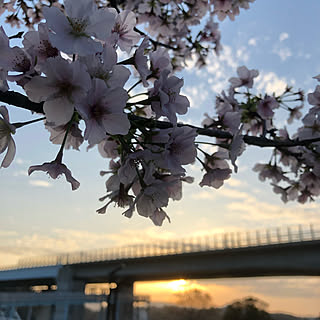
(66, 283)
(124, 301)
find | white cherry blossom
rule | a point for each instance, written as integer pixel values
(123, 34)
(104, 66)
(64, 84)
(245, 78)
(6, 140)
(54, 169)
(73, 33)
(102, 111)
(266, 106)
(57, 133)
(140, 61)
(37, 44)
(167, 89)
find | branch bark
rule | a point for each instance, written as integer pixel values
(21, 101)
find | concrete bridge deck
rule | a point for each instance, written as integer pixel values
(277, 252)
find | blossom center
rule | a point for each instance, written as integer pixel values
(47, 50)
(21, 63)
(97, 112)
(78, 26)
(66, 89)
(120, 29)
(4, 129)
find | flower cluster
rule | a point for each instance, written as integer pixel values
(71, 72)
(70, 68)
(170, 23)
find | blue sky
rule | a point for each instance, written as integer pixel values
(43, 216)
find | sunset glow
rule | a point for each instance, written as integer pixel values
(178, 285)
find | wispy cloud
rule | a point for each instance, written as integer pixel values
(252, 42)
(283, 52)
(197, 95)
(40, 183)
(20, 161)
(219, 69)
(270, 82)
(279, 49)
(20, 173)
(233, 182)
(283, 36)
(203, 195)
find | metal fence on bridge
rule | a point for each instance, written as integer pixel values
(220, 241)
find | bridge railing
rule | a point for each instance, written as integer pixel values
(220, 241)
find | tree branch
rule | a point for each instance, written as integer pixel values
(250, 140)
(21, 101)
(155, 42)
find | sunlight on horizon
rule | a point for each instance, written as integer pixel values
(226, 291)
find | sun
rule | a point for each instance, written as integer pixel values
(177, 285)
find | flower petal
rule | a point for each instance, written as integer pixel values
(59, 111)
(10, 154)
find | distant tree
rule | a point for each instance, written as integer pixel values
(194, 298)
(179, 313)
(247, 309)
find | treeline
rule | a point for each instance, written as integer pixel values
(246, 309)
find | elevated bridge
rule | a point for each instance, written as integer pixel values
(291, 251)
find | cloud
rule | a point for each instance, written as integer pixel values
(20, 173)
(283, 36)
(283, 52)
(270, 83)
(20, 161)
(255, 211)
(252, 42)
(8, 233)
(40, 183)
(233, 182)
(203, 195)
(242, 53)
(235, 194)
(218, 70)
(197, 95)
(61, 241)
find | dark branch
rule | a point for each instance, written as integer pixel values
(250, 140)
(21, 101)
(155, 42)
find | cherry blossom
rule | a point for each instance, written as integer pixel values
(160, 60)
(14, 59)
(167, 90)
(102, 111)
(158, 217)
(86, 68)
(152, 198)
(37, 44)
(268, 171)
(180, 150)
(245, 78)
(140, 61)
(104, 66)
(65, 84)
(74, 137)
(215, 177)
(123, 34)
(265, 107)
(6, 140)
(56, 168)
(108, 148)
(72, 33)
